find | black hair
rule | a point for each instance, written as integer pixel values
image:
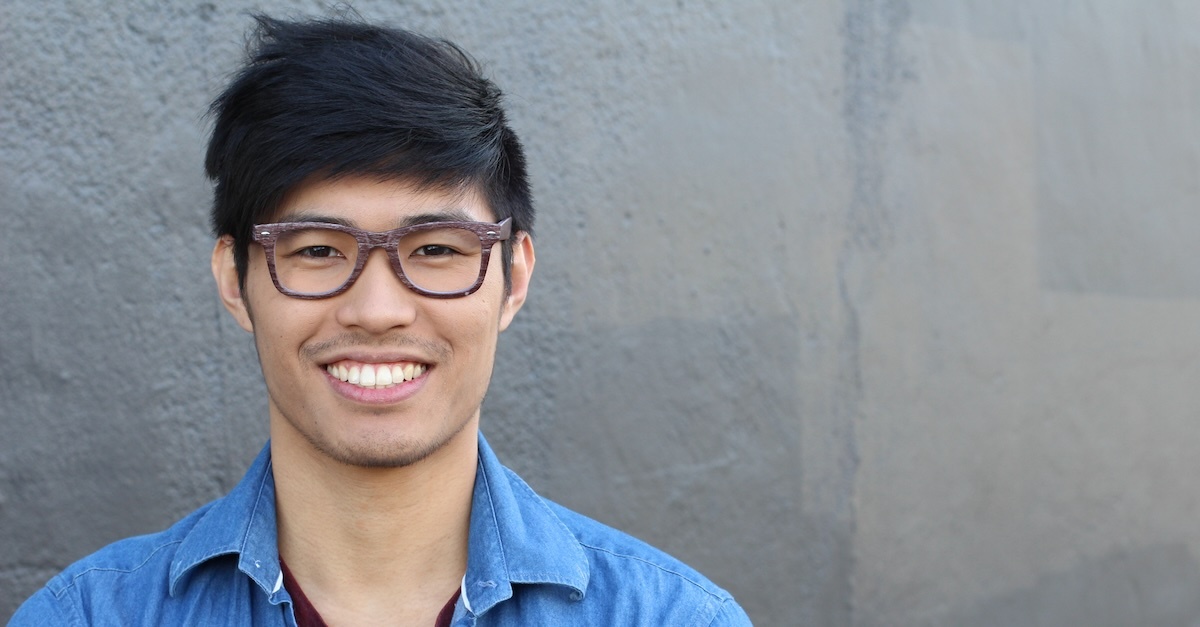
(339, 97)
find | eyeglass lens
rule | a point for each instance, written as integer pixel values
(318, 260)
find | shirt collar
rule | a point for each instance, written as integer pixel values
(515, 538)
(514, 535)
(241, 524)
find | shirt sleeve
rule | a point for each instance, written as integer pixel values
(43, 608)
(731, 615)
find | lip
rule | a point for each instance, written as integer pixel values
(397, 393)
(391, 395)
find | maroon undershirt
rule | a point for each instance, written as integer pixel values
(307, 616)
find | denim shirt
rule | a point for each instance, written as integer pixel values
(530, 562)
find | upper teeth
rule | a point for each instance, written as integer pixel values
(376, 376)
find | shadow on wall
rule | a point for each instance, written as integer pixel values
(1155, 585)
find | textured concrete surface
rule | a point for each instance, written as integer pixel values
(879, 313)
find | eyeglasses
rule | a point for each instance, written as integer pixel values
(436, 259)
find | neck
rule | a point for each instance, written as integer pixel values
(378, 540)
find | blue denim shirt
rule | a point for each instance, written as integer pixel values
(530, 562)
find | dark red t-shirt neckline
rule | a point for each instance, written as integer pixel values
(307, 615)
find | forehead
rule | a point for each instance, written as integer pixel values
(379, 204)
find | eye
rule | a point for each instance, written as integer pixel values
(435, 250)
(438, 245)
(319, 252)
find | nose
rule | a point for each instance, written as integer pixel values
(378, 301)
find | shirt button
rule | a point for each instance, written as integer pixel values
(576, 595)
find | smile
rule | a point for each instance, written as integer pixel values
(375, 376)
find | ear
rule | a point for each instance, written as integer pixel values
(521, 271)
(224, 270)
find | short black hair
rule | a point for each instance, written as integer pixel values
(339, 96)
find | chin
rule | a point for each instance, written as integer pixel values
(377, 451)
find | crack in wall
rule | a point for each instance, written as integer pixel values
(873, 71)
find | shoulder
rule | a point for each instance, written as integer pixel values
(610, 548)
(631, 578)
(200, 567)
(128, 571)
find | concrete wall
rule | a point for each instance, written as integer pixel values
(879, 313)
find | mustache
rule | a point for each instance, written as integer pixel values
(439, 351)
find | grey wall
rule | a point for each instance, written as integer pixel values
(879, 313)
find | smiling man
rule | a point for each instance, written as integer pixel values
(374, 234)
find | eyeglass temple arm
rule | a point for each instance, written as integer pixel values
(504, 231)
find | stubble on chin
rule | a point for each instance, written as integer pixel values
(384, 452)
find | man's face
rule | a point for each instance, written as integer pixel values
(306, 347)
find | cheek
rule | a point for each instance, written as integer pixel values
(476, 327)
(471, 326)
(281, 324)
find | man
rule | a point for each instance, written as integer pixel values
(374, 234)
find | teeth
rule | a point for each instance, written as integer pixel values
(376, 376)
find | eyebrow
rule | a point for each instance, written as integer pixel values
(444, 215)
